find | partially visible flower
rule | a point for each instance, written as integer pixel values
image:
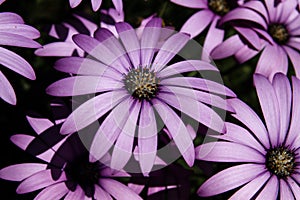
(66, 171)
(1, 1)
(278, 26)
(97, 3)
(268, 156)
(211, 12)
(13, 32)
(134, 84)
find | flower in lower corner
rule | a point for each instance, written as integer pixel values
(65, 171)
(268, 156)
(134, 87)
(13, 32)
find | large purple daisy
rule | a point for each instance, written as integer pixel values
(97, 3)
(66, 171)
(134, 85)
(13, 32)
(269, 156)
(211, 11)
(278, 26)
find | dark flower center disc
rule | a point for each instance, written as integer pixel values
(220, 7)
(280, 161)
(279, 33)
(141, 83)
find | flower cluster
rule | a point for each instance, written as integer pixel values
(136, 106)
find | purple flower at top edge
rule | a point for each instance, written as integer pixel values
(212, 11)
(65, 171)
(268, 156)
(278, 27)
(13, 32)
(133, 84)
(97, 3)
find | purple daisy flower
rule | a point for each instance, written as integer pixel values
(269, 155)
(211, 12)
(66, 171)
(13, 32)
(97, 3)
(133, 83)
(278, 26)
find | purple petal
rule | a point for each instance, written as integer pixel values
(270, 190)
(21, 140)
(118, 190)
(245, 53)
(38, 181)
(74, 3)
(197, 110)
(287, 8)
(269, 105)
(101, 194)
(149, 40)
(192, 3)
(56, 191)
(96, 4)
(185, 66)
(238, 134)
(250, 36)
(248, 117)
(228, 152)
(169, 49)
(258, 7)
(86, 66)
(130, 41)
(177, 129)
(118, 5)
(197, 22)
(7, 92)
(92, 27)
(123, 147)
(110, 130)
(228, 48)
(294, 186)
(39, 125)
(13, 39)
(199, 83)
(250, 189)
(285, 191)
(57, 49)
(213, 38)
(233, 177)
(79, 85)
(20, 29)
(19, 172)
(10, 18)
(16, 63)
(147, 137)
(282, 86)
(78, 194)
(295, 59)
(92, 110)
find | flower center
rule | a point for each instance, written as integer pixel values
(279, 33)
(280, 161)
(220, 7)
(141, 83)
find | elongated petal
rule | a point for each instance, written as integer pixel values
(110, 130)
(269, 105)
(248, 117)
(251, 36)
(294, 186)
(39, 124)
(295, 59)
(57, 49)
(78, 194)
(149, 40)
(19, 172)
(227, 48)
(191, 3)
(228, 152)
(37, 181)
(101, 194)
(79, 85)
(22, 140)
(178, 131)
(7, 92)
(169, 49)
(285, 191)
(197, 23)
(56, 191)
(250, 189)
(16, 63)
(233, 177)
(186, 66)
(13, 39)
(118, 5)
(270, 190)
(96, 4)
(92, 110)
(20, 29)
(245, 54)
(124, 145)
(118, 190)
(10, 18)
(199, 83)
(147, 137)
